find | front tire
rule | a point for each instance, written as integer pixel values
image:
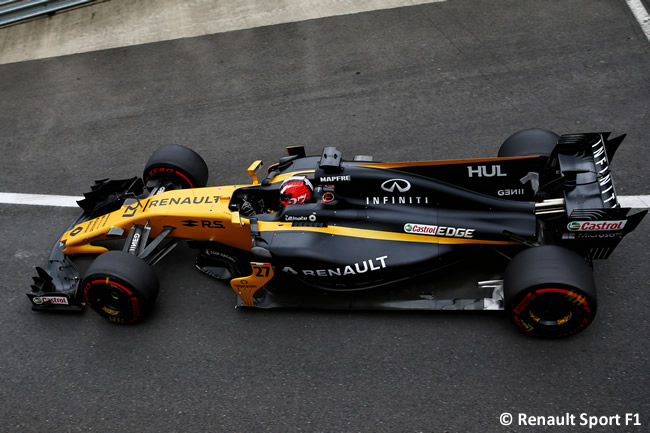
(177, 165)
(120, 287)
(550, 292)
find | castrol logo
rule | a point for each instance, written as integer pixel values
(598, 226)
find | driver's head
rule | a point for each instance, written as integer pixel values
(295, 190)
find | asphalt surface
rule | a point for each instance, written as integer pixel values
(444, 80)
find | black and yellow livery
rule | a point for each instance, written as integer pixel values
(517, 232)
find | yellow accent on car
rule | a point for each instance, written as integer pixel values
(246, 287)
(375, 234)
(200, 213)
(253, 169)
(394, 165)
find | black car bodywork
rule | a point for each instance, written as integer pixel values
(407, 235)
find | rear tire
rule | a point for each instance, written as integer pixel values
(120, 287)
(550, 292)
(178, 165)
(529, 142)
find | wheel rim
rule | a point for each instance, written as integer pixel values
(553, 312)
(112, 300)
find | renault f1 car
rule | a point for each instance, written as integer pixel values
(517, 232)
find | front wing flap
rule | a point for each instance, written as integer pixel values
(55, 287)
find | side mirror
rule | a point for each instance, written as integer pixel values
(253, 169)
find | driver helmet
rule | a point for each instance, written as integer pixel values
(295, 190)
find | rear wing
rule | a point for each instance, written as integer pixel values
(584, 163)
(596, 221)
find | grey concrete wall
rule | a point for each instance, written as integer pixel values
(116, 23)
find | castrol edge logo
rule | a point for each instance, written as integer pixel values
(450, 232)
(595, 226)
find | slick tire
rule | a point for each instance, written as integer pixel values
(550, 292)
(177, 164)
(120, 287)
(529, 142)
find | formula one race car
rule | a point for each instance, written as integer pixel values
(517, 233)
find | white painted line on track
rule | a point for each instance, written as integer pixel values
(635, 201)
(641, 15)
(632, 201)
(39, 199)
